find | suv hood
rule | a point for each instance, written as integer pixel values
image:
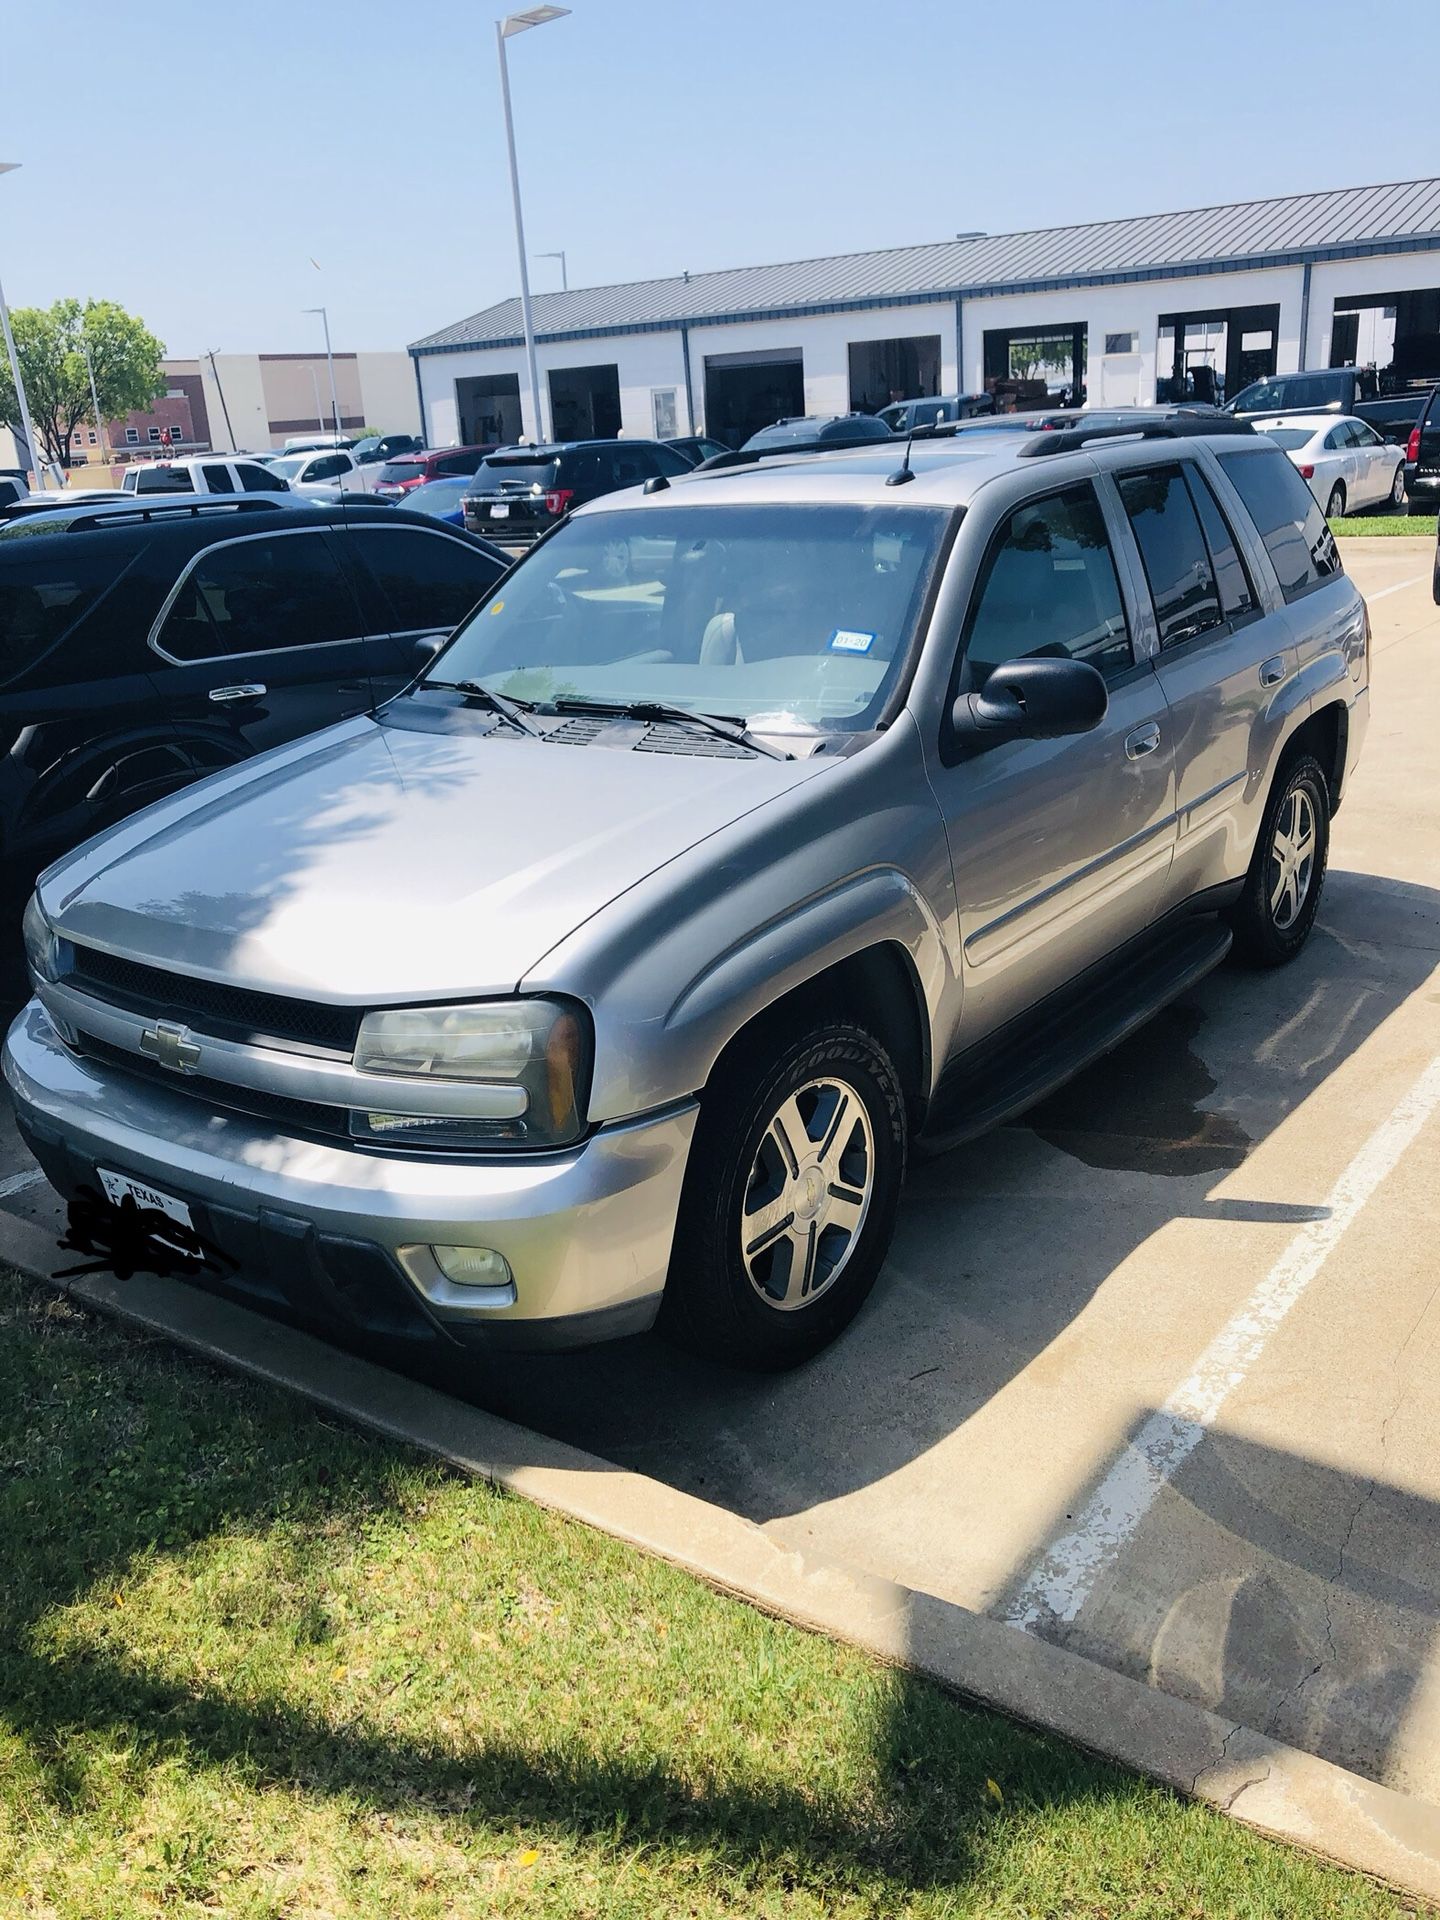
(373, 864)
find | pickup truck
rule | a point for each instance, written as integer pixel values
(1349, 390)
(204, 473)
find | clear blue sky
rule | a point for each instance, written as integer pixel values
(188, 159)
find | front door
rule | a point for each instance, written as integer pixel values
(263, 640)
(422, 585)
(1060, 848)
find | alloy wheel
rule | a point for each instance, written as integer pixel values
(1292, 859)
(808, 1194)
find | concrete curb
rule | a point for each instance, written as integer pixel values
(1283, 1792)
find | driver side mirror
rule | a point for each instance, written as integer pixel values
(1031, 699)
(427, 646)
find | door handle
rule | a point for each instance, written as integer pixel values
(1142, 741)
(231, 696)
(1272, 671)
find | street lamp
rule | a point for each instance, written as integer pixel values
(511, 24)
(559, 254)
(210, 353)
(9, 166)
(330, 363)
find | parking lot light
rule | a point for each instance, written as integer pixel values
(521, 23)
(330, 363)
(31, 453)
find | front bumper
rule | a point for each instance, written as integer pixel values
(341, 1234)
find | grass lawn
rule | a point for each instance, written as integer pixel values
(255, 1665)
(1419, 525)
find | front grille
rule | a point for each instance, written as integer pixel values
(302, 1116)
(231, 1013)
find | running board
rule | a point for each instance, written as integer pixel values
(1048, 1046)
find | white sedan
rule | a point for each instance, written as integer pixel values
(1347, 464)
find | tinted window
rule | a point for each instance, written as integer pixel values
(1049, 587)
(1287, 518)
(491, 475)
(1335, 439)
(1289, 439)
(395, 471)
(667, 460)
(1291, 393)
(1172, 547)
(429, 581)
(163, 480)
(1237, 594)
(218, 480)
(330, 467)
(42, 598)
(1362, 435)
(256, 596)
(255, 479)
(457, 463)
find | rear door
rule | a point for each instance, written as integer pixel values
(1378, 459)
(1220, 653)
(260, 640)
(1060, 848)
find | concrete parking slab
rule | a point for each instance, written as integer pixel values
(1057, 1288)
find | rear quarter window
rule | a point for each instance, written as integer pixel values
(1300, 545)
(44, 595)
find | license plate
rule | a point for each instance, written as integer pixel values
(499, 513)
(119, 1187)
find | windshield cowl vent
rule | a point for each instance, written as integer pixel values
(676, 739)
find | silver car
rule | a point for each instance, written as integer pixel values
(753, 834)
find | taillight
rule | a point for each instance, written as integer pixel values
(558, 501)
(1412, 445)
(1307, 473)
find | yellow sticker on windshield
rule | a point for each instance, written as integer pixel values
(498, 607)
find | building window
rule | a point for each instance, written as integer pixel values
(155, 435)
(663, 412)
(132, 436)
(1120, 343)
(90, 436)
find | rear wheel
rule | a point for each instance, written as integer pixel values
(1274, 915)
(1335, 505)
(1397, 490)
(790, 1198)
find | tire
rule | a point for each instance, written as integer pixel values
(1335, 505)
(766, 1299)
(1272, 920)
(1397, 490)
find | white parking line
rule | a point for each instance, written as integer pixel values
(1399, 587)
(18, 1182)
(1064, 1576)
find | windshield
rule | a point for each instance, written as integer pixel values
(492, 475)
(1294, 394)
(437, 496)
(794, 618)
(1289, 439)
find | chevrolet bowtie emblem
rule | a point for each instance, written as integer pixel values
(171, 1045)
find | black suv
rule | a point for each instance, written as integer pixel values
(1422, 458)
(519, 492)
(145, 644)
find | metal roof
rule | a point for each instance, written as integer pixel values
(1347, 223)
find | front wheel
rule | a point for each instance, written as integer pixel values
(790, 1198)
(1274, 915)
(1335, 505)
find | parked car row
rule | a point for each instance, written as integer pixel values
(765, 823)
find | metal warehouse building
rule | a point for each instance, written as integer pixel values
(1128, 310)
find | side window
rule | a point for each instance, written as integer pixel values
(1363, 435)
(1301, 547)
(1172, 547)
(429, 581)
(257, 479)
(259, 596)
(41, 600)
(1337, 438)
(1237, 593)
(1049, 587)
(632, 465)
(667, 460)
(217, 479)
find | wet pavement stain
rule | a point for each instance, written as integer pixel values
(1138, 1110)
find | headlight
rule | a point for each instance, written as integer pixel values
(43, 946)
(539, 1049)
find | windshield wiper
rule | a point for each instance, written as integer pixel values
(511, 710)
(658, 712)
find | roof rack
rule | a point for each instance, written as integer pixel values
(167, 508)
(750, 456)
(1183, 427)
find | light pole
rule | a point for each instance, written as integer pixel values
(521, 23)
(558, 254)
(210, 354)
(330, 363)
(9, 166)
(95, 401)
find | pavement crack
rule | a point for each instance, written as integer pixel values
(1258, 1780)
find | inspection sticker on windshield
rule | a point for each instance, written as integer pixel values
(851, 640)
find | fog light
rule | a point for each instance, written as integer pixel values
(473, 1266)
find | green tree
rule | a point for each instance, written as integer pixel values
(50, 343)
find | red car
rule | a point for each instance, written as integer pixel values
(410, 470)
